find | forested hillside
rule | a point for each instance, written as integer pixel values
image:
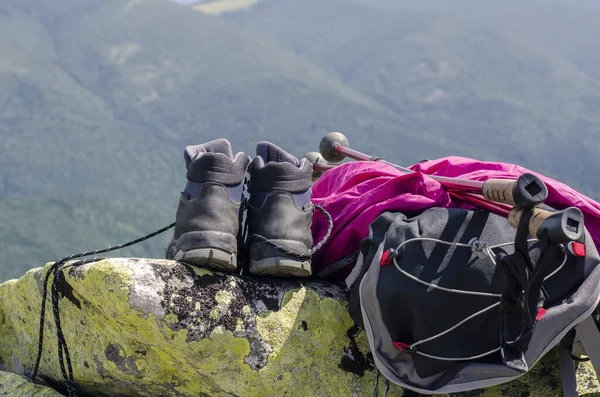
(461, 79)
(98, 99)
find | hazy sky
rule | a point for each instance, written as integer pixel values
(186, 2)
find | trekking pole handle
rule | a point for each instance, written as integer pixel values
(527, 191)
(331, 147)
(559, 227)
(319, 164)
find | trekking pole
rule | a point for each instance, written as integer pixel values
(480, 201)
(527, 191)
(320, 165)
(559, 227)
(497, 195)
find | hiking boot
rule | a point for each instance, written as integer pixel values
(279, 213)
(208, 216)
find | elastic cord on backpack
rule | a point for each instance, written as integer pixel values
(479, 248)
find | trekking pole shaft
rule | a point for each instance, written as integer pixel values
(527, 191)
(459, 184)
(498, 209)
(318, 167)
(356, 155)
(322, 167)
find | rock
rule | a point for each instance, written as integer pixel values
(17, 386)
(142, 327)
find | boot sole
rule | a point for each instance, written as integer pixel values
(279, 266)
(209, 257)
(205, 248)
(267, 260)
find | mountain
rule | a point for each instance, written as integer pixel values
(493, 93)
(98, 99)
(567, 28)
(116, 90)
(36, 231)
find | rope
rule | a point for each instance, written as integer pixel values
(329, 229)
(56, 270)
(293, 253)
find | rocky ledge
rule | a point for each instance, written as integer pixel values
(144, 327)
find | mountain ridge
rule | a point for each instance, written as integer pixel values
(99, 98)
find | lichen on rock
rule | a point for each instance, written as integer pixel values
(156, 327)
(142, 327)
(14, 385)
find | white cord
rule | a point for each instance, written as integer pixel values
(456, 291)
(558, 268)
(459, 358)
(476, 246)
(455, 326)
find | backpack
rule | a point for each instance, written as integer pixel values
(355, 193)
(455, 299)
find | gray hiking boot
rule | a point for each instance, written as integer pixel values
(207, 221)
(279, 213)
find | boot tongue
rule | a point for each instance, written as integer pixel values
(270, 152)
(220, 145)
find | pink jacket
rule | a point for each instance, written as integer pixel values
(356, 193)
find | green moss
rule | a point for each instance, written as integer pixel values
(131, 349)
(149, 349)
(240, 325)
(306, 338)
(171, 318)
(16, 386)
(200, 271)
(587, 380)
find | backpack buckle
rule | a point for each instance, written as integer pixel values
(576, 249)
(388, 256)
(403, 347)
